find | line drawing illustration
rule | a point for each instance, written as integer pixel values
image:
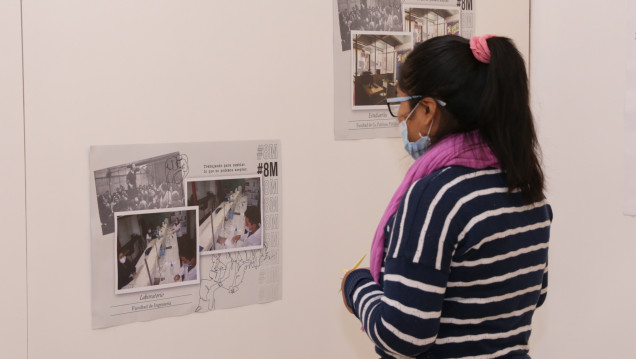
(227, 271)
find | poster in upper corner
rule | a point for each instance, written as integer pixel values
(183, 228)
(630, 114)
(371, 40)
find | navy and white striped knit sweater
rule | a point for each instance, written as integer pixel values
(465, 267)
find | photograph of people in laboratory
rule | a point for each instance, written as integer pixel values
(376, 58)
(427, 22)
(156, 249)
(367, 15)
(145, 184)
(230, 215)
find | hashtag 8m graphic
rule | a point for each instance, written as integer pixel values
(268, 169)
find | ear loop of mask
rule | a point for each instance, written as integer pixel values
(419, 132)
(429, 130)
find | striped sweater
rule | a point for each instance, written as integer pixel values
(465, 266)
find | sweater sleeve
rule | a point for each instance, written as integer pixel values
(544, 284)
(544, 288)
(402, 316)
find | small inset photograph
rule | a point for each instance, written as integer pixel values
(367, 15)
(150, 183)
(426, 22)
(376, 59)
(156, 249)
(230, 212)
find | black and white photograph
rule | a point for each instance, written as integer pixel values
(376, 61)
(367, 15)
(156, 249)
(149, 183)
(426, 22)
(230, 212)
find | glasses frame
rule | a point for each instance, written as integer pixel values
(394, 100)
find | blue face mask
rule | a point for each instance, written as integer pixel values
(419, 147)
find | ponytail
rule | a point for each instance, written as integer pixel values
(506, 122)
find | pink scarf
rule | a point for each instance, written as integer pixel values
(464, 149)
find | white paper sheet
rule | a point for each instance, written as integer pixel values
(235, 176)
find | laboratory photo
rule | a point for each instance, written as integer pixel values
(427, 22)
(367, 15)
(156, 249)
(149, 183)
(376, 59)
(230, 212)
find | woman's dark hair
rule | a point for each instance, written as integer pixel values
(492, 98)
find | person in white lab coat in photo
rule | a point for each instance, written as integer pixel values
(188, 271)
(224, 243)
(252, 236)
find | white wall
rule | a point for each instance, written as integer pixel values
(13, 308)
(578, 89)
(102, 72)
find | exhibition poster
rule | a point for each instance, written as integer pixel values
(371, 40)
(183, 228)
(630, 114)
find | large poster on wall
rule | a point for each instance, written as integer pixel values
(371, 39)
(183, 228)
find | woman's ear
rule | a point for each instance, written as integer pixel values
(427, 112)
(426, 119)
(430, 105)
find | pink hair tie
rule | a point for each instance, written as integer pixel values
(480, 49)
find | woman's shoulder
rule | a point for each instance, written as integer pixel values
(458, 181)
(467, 192)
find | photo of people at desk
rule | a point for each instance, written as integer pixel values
(230, 216)
(156, 249)
(426, 22)
(376, 59)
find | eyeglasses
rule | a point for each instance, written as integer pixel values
(394, 103)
